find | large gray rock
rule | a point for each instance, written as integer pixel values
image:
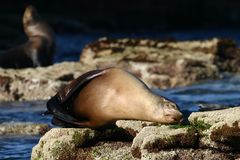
(37, 84)
(165, 64)
(69, 143)
(153, 139)
(219, 129)
(209, 135)
(61, 143)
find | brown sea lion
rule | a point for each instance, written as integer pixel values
(38, 50)
(101, 97)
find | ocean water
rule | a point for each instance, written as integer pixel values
(225, 91)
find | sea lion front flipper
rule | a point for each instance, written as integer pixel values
(60, 104)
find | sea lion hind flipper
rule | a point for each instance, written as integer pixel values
(77, 84)
(61, 116)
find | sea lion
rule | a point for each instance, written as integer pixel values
(38, 50)
(100, 97)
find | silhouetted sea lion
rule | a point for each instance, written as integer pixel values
(38, 50)
(100, 97)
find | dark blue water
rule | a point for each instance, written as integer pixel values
(225, 91)
(17, 147)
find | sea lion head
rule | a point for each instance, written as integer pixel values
(34, 26)
(30, 16)
(167, 112)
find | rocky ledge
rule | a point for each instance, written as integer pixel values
(23, 128)
(160, 64)
(210, 135)
(165, 64)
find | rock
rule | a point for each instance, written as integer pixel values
(152, 139)
(164, 64)
(210, 135)
(133, 127)
(219, 129)
(106, 150)
(188, 154)
(160, 64)
(61, 143)
(23, 128)
(65, 143)
(37, 84)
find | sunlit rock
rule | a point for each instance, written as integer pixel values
(154, 139)
(164, 64)
(218, 129)
(23, 128)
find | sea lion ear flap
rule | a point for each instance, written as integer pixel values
(77, 85)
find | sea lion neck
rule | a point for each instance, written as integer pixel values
(148, 104)
(39, 29)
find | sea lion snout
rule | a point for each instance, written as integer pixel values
(172, 115)
(169, 112)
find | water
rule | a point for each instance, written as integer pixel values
(17, 147)
(225, 91)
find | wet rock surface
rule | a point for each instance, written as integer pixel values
(160, 64)
(149, 141)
